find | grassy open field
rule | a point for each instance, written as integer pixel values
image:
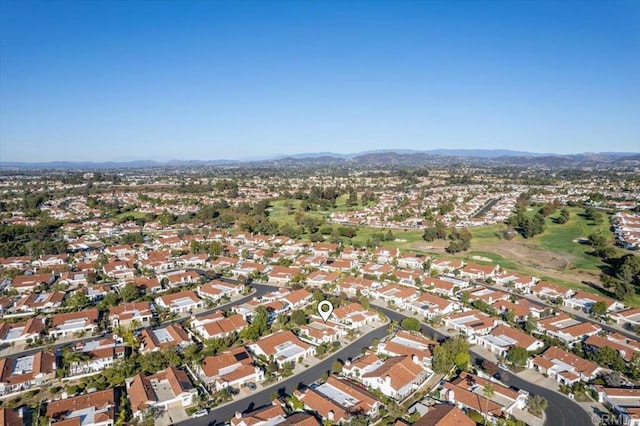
(557, 255)
(134, 214)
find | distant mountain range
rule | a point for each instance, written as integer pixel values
(376, 157)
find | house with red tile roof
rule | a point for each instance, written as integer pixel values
(193, 260)
(568, 329)
(337, 400)
(298, 299)
(397, 377)
(502, 338)
(122, 270)
(521, 309)
(472, 323)
(40, 302)
(622, 401)
(24, 372)
(397, 294)
(386, 254)
(566, 368)
(625, 346)
(230, 369)
(474, 271)
(216, 326)
(168, 387)
(487, 295)
(318, 332)
(126, 314)
(353, 316)
(10, 417)
(181, 302)
(91, 409)
(170, 336)
(363, 364)
(547, 290)
(319, 279)
(444, 287)
(431, 306)
(20, 332)
(74, 278)
(179, 278)
(246, 268)
(445, 265)
(628, 316)
(467, 392)
(71, 323)
(28, 283)
(223, 263)
(217, 289)
(324, 249)
(101, 354)
(271, 415)
(584, 301)
(412, 261)
(517, 281)
(282, 275)
(148, 285)
(282, 347)
(444, 415)
(413, 345)
(339, 265)
(351, 286)
(377, 269)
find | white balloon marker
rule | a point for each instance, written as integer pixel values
(325, 308)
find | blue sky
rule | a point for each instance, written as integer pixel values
(124, 80)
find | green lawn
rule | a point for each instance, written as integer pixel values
(136, 215)
(562, 239)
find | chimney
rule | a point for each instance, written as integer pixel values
(238, 415)
(415, 359)
(331, 415)
(451, 396)
(387, 380)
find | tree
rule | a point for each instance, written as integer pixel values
(536, 405)
(298, 317)
(489, 367)
(488, 393)
(410, 324)
(599, 309)
(597, 239)
(129, 292)
(517, 356)
(444, 355)
(531, 324)
(336, 367)
(462, 360)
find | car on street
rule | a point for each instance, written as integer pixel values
(200, 413)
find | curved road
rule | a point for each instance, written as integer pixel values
(560, 410)
(260, 399)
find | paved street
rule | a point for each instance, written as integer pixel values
(223, 414)
(560, 411)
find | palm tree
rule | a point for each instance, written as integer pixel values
(487, 392)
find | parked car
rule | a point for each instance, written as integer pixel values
(503, 367)
(200, 413)
(251, 386)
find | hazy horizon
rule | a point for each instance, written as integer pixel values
(123, 81)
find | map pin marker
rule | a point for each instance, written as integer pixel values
(325, 308)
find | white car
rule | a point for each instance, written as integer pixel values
(503, 367)
(200, 413)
